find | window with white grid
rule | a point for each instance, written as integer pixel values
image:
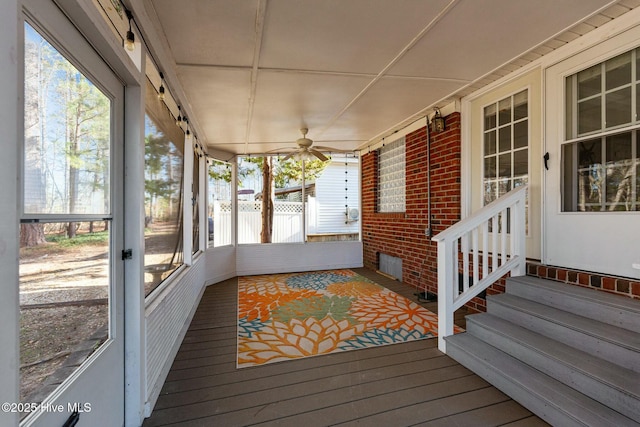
(601, 153)
(391, 177)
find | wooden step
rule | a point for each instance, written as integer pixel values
(547, 397)
(612, 309)
(606, 382)
(617, 345)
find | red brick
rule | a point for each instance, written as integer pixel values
(583, 279)
(562, 275)
(609, 283)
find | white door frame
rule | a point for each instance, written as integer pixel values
(96, 388)
(604, 242)
(530, 79)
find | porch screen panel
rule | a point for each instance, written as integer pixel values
(164, 199)
(219, 214)
(195, 199)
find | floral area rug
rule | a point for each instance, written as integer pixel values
(290, 316)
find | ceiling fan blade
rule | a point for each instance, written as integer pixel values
(282, 150)
(332, 149)
(288, 156)
(319, 155)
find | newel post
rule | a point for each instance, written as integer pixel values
(445, 291)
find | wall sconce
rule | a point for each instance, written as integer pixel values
(437, 122)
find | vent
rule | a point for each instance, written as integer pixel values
(391, 265)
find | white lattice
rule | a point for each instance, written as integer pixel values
(287, 207)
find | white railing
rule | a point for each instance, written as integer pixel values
(476, 252)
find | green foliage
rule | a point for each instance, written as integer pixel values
(286, 172)
(98, 238)
(220, 171)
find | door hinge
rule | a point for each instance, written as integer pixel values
(127, 254)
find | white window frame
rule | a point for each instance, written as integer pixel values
(511, 151)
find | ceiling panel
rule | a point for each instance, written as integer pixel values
(387, 103)
(220, 32)
(360, 36)
(287, 101)
(220, 99)
(477, 36)
(349, 70)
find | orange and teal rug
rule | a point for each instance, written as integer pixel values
(290, 316)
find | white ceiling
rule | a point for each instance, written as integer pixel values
(255, 71)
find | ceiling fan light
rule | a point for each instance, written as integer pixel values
(303, 155)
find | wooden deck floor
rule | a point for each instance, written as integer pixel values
(396, 385)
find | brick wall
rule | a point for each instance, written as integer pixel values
(629, 288)
(403, 234)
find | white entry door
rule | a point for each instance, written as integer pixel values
(71, 268)
(592, 180)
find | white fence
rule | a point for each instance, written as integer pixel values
(287, 222)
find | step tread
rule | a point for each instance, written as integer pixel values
(581, 408)
(611, 374)
(619, 336)
(579, 292)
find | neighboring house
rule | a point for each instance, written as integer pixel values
(562, 117)
(334, 210)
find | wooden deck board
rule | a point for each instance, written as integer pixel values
(497, 414)
(401, 384)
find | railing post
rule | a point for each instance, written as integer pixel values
(520, 236)
(445, 290)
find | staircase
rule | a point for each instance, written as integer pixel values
(569, 354)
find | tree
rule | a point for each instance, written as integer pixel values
(87, 124)
(267, 200)
(31, 234)
(158, 184)
(67, 136)
(277, 174)
(291, 171)
(220, 171)
(38, 75)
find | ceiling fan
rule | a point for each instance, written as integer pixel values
(304, 150)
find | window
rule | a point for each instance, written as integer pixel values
(391, 177)
(219, 219)
(601, 158)
(164, 201)
(506, 145)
